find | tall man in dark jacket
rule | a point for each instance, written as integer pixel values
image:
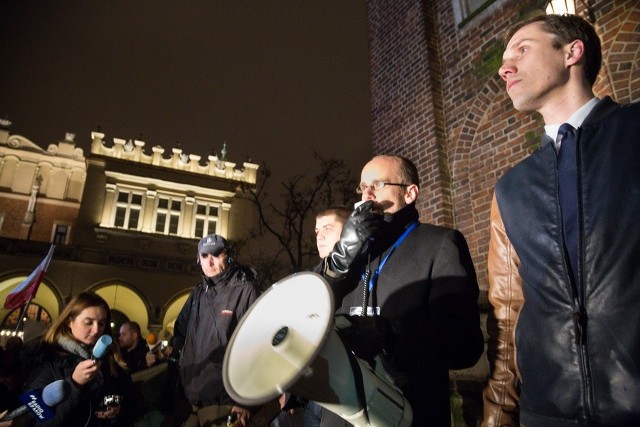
(414, 283)
(203, 329)
(564, 263)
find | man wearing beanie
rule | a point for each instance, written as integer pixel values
(203, 329)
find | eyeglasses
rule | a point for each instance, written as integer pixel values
(376, 186)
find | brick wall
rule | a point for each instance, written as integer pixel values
(437, 99)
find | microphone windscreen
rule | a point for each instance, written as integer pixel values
(102, 346)
(152, 338)
(55, 393)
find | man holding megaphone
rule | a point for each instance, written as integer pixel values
(410, 290)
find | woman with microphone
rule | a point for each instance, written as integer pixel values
(101, 388)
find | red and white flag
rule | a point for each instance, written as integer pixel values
(26, 290)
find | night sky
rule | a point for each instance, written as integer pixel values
(275, 80)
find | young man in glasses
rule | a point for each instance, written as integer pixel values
(203, 329)
(411, 289)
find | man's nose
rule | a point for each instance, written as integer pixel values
(505, 70)
(368, 194)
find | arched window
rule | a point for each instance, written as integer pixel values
(35, 313)
(117, 319)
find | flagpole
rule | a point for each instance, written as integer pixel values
(26, 290)
(22, 313)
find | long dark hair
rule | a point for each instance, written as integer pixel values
(60, 328)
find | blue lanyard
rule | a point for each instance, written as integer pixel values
(374, 278)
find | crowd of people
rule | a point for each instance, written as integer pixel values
(563, 277)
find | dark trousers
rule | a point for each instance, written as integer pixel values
(208, 416)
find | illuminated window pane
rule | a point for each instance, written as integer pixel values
(199, 231)
(128, 208)
(206, 219)
(173, 225)
(120, 215)
(60, 234)
(168, 215)
(160, 221)
(133, 219)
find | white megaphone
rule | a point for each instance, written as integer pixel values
(287, 342)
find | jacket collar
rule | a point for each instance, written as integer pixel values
(222, 278)
(602, 109)
(73, 347)
(395, 224)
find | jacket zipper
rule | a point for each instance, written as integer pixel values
(580, 316)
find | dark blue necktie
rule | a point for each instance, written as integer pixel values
(568, 188)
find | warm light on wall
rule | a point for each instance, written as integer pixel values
(560, 7)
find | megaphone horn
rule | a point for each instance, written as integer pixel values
(286, 342)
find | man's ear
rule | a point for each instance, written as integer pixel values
(411, 194)
(574, 52)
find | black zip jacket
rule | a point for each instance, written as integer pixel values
(205, 325)
(577, 342)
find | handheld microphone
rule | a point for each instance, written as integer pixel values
(152, 342)
(358, 203)
(377, 210)
(101, 347)
(39, 403)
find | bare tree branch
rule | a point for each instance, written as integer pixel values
(289, 216)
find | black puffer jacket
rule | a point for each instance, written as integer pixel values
(578, 344)
(57, 362)
(205, 325)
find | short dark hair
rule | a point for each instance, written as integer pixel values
(340, 212)
(409, 171)
(133, 326)
(567, 28)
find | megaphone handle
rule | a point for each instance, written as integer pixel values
(359, 383)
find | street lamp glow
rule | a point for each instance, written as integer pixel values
(560, 7)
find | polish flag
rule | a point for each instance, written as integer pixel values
(26, 290)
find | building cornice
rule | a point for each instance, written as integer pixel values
(133, 151)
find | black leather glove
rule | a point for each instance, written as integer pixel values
(356, 231)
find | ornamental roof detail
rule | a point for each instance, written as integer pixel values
(134, 151)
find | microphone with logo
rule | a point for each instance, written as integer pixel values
(101, 347)
(39, 403)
